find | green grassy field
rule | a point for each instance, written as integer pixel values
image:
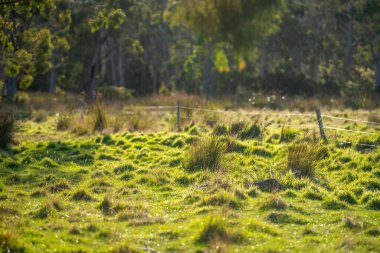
(194, 190)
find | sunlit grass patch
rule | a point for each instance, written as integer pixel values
(206, 154)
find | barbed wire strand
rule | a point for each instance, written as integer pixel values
(354, 120)
(347, 130)
(360, 144)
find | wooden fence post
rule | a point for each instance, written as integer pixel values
(320, 123)
(179, 115)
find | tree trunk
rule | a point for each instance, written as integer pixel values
(93, 69)
(165, 44)
(113, 70)
(314, 67)
(377, 81)
(53, 74)
(121, 67)
(264, 62)
(214, 81)
(350, 47)
(10, 88)
(207, 71)
(154, 79)
(103, 47)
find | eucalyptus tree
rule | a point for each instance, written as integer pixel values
(237, 23)
(24, 49)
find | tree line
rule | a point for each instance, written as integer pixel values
(208, 47)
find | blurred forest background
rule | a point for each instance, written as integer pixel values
(308, 48)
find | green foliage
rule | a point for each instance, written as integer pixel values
(239, 23)
(107, 19)
(205, 154)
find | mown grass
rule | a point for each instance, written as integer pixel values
(164, 191)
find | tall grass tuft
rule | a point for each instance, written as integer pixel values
(9, 242)
(99, 118)
(63, 123)
(302, 158)
(215, 230)
(8, 128)
(205, 154)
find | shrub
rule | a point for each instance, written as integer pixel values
(302, 159)
(8, 128)
(116, 93)
(207, 153)
(215, 230)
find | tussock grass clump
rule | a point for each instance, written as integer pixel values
(98, 116)
(139, 121)
(351, 224)
(8, 127)
(220, 129)
(302, 159)
(287, 135)
(222, 198)
(9, 242)
(43, 212)
(374, 232)
(245, 131)
(250, 132)
(262, 227)
(233, 145)
(309, 231)
(58, 187)
(283, 218)
(82, 196)
(107, 206)
(206, 154)
(333, 205)
(374, 204)
(313, 193)
(374, 116)
(215, 230)
(347, 197)
(63, 123)
(124, 249)
(236, 127)
(275, 202)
